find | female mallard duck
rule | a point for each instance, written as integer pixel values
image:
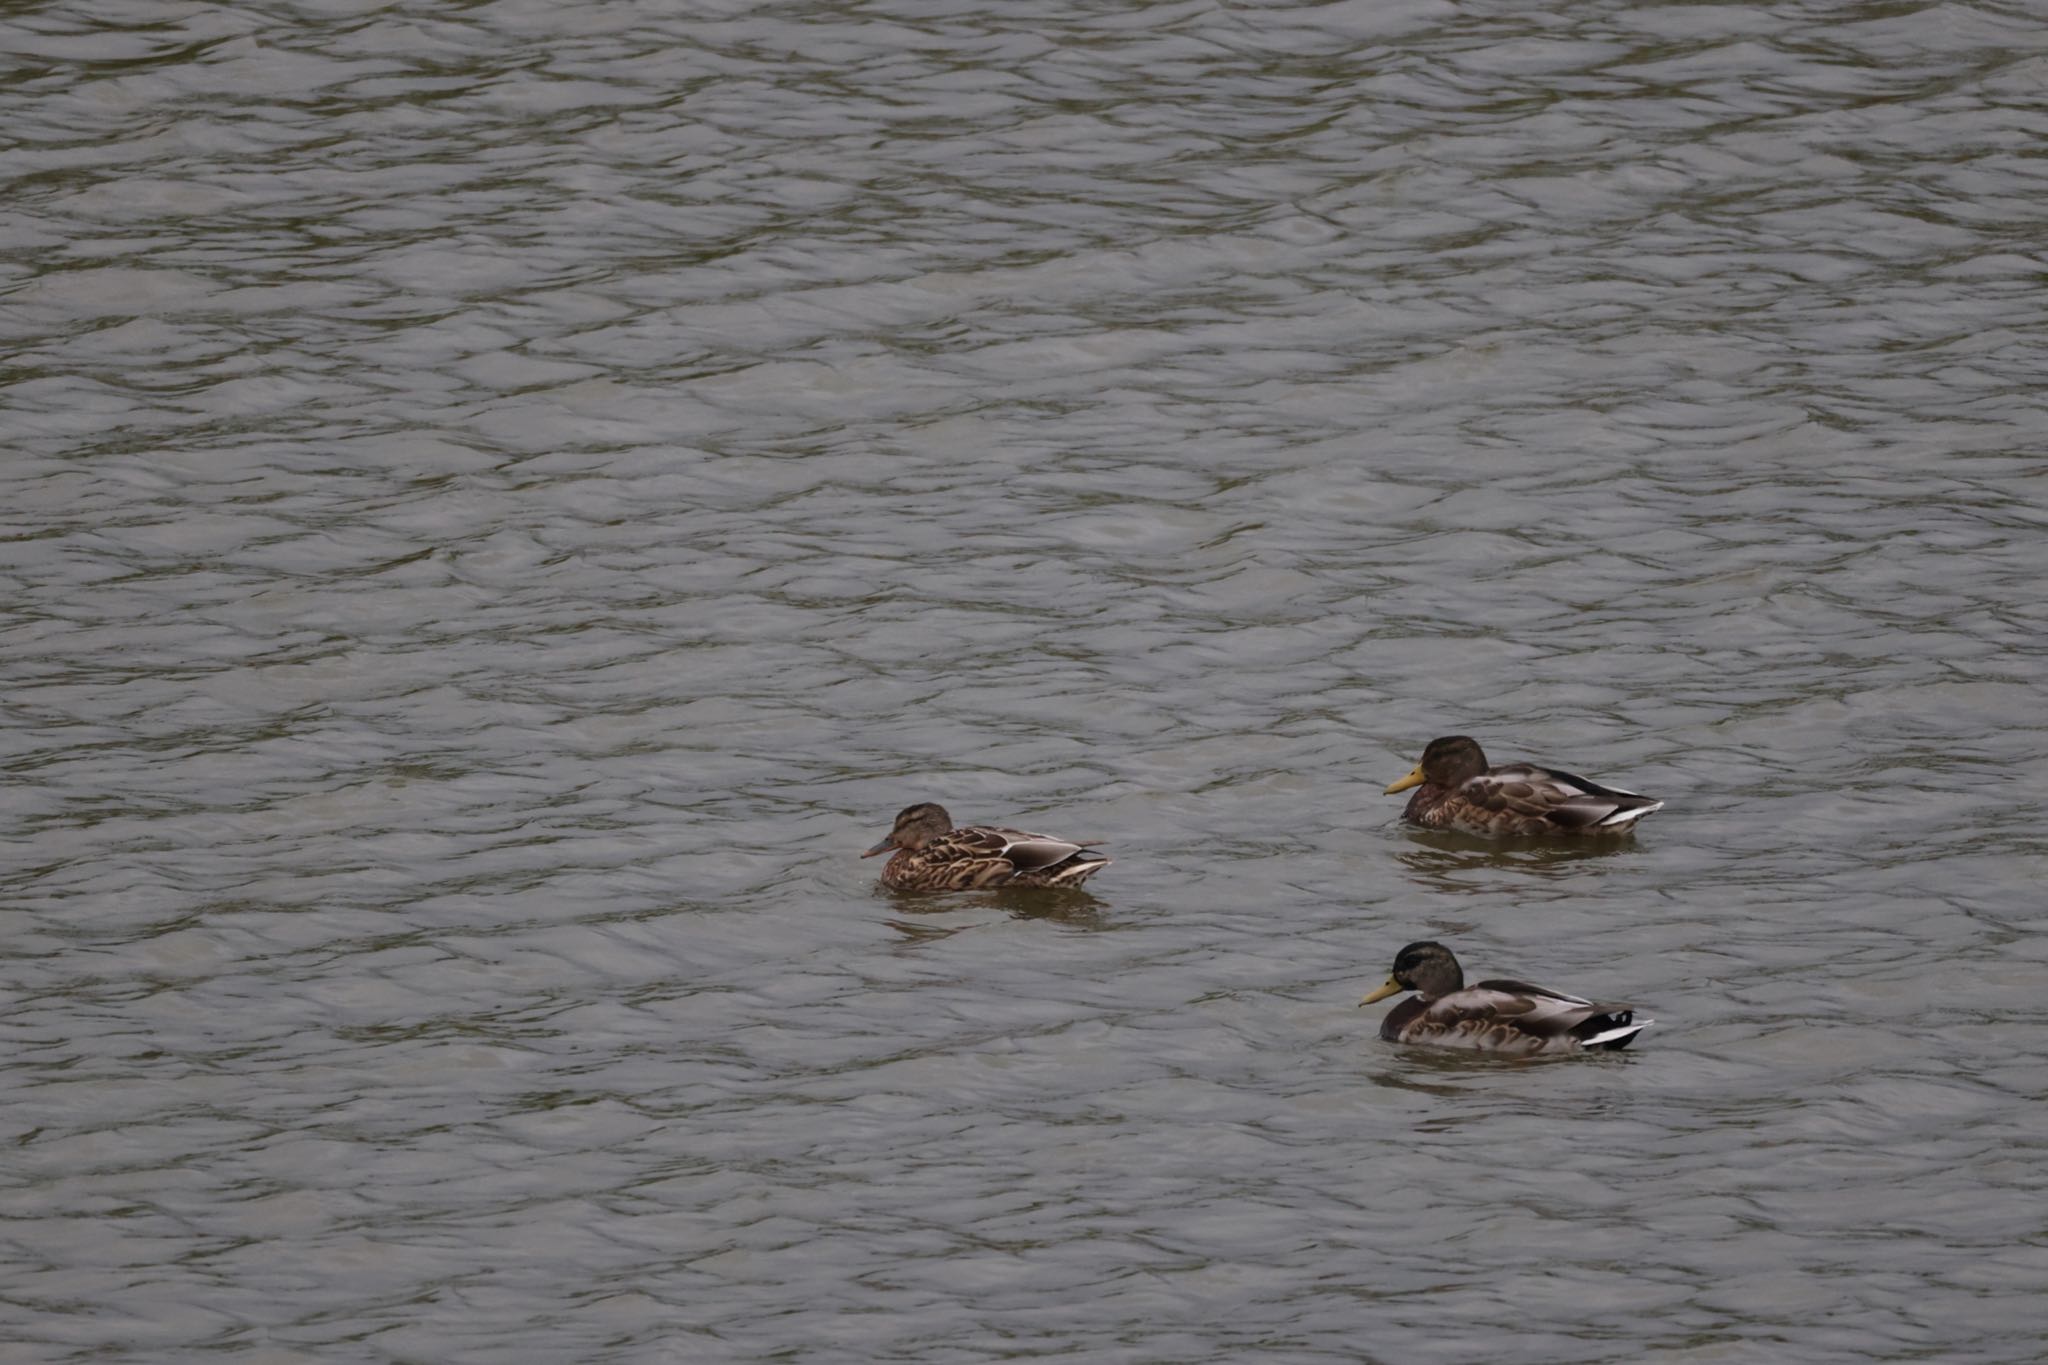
(933, 856)
(1493, 1016)
(1458, 791)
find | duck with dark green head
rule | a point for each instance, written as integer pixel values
(1455, 789)
(1512, 1017)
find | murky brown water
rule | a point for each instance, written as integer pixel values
(502, 503)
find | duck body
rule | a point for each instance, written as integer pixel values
(1456, 789)
(1510, 1017)
(931, 855)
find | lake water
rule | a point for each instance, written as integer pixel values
(503, 502)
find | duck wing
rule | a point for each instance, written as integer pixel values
(1514, 1016)
(992, 856)
(1022, 850)
(1559, 799)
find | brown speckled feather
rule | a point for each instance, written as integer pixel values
(1523, 799)
(1511, 1017)
(1506, 1016)
(978, 856)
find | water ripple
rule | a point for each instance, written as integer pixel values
(504, 505)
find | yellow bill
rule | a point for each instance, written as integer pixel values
(1392, 987)
(1414, 779)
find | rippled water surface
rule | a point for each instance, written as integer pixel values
(502, 502)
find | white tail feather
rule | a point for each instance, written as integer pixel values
(1630, 814)
(1079, 871)
(1628, 1030)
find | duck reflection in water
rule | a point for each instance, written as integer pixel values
(1077, 910)
(1445, 862)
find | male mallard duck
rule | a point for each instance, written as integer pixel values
(1493, 1016)
(1458, 791)
(933, 856)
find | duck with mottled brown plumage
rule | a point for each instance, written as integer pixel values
(1512, 1017)
(1457, 790)
(933, 856)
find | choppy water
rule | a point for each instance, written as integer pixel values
(502, 502)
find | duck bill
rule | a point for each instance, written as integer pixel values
(1392, 987)
(1414, 779)
(882, 847)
